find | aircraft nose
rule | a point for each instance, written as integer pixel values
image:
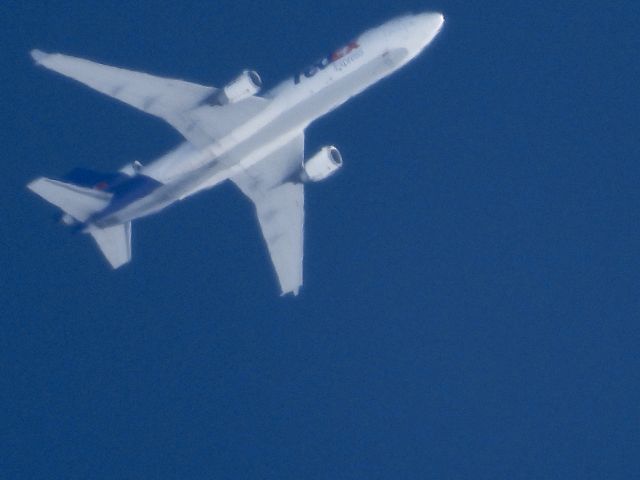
(424, 27)
(429, 23)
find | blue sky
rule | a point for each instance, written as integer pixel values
(470, 307)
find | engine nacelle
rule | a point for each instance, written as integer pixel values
(322, 165)
(248, 83)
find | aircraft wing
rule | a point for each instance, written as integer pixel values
(279, 201)
(178, 102)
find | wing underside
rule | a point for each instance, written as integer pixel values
(279, 201)
(180, 103)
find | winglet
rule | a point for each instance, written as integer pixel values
(38, 55)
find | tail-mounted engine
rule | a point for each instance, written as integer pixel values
(322, 165)
(248, 83)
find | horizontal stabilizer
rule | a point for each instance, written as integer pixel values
(79, 202)
(114, 243)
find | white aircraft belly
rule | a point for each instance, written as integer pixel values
(283, 128)
(187, 171)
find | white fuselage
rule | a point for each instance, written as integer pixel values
(291, 107)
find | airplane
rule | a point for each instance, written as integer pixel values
(230, 133)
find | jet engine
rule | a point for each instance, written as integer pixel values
(248, 83)
(323, 164)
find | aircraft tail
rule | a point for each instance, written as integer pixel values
(114, 243)
(80, 203)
